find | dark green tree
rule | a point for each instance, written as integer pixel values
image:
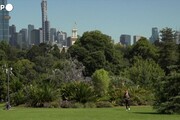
(144, 49)
(169, 50)
(96, 50)
(167, 94)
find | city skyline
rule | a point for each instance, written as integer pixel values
(113, 18)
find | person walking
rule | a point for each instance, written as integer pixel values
(127, 100)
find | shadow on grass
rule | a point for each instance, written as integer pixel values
(148, 113)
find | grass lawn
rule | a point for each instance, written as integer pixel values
(119, 113)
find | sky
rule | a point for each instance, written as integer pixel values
(111, 17)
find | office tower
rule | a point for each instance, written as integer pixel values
(177, 37)
(36, 37)
(12, 30)
(136, 38)
(61, 38)
(155, 35)
(24, 34)
(4, 22)
(30, 28)
(20, 40)
(47, 31)
(53, 34)
(45, 22)
(125, 39)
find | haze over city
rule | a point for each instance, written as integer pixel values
(112, 17)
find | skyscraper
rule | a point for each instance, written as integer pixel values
(30, 28)
(155, 35)
(24, 37)
(4, 22)
(45, 22)
(47, 31)
(125, 39)
(36, 37)
(177, 37)
(53, 34)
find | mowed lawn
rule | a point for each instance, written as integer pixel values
(118, 113)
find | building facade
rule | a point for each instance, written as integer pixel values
(177, 37)
(24, 33)
(30, 28)
(125, 39)
(36, 37)
(4, 23)
(155, 35)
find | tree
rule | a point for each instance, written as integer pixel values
(167, 95)
(169, 50)
(96, 50)
(101, 82)
(143, 72)
(144, 49)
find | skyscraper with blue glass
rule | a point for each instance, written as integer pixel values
(4, 23)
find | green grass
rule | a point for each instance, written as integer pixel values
(119, 113)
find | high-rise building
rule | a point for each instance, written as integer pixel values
(45, 22)
(47, 31)
(125, 39)
(12, 30)
(36, 37)
(61, 38)
(155, 35)
(24, 34)
(177, 37)
(53, 34)
(4, 22)
(30, 28)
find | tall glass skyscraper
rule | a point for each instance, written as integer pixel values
(4, 23)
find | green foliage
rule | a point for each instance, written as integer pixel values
(144, 49)
(78, 91)
(96, 50)
(169, 50)
(38, 95)
(167, 95)
(144, 72)
(101, 80)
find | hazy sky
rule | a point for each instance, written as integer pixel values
(112, 17)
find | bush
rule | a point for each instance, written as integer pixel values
(103, 104)
(90, 105)
(78, 91)
(66, 104)
(77, 105)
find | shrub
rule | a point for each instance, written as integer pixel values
(90, 105)
(103, 104)
(77, 105)
(78, 91)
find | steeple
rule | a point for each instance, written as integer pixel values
(74, 31)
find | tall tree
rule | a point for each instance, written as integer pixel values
(96, 50)
(144, 49)
(169, 50)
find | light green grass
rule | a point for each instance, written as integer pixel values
(119, 113)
